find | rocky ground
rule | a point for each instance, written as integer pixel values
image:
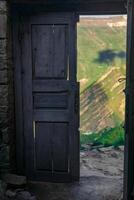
(101, 179)
(106, 162)
(14, 187)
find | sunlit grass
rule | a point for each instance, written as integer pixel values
(107, 137)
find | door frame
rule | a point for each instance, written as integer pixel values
(94, 7)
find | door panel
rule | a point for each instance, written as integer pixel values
(44, 100)
(50, 97)
(60, 147)
(50, 50)
(43, 147)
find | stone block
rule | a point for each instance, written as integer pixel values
(3, 19)
(3, 76)
(3, 47)
(3, 95)
(24, 195)
(3, 25)
(14, 179)
(3, 187)
(4, 90)
(5, 136)
(10, 194)
(4, 121)
(3, 6)
(3, 62)
(3, 109)
(4, 155)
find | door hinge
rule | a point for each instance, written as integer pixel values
(128, 91)
(76, 106)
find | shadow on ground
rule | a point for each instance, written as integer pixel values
(101, 179)
(89, 188)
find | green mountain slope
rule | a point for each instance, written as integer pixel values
(101, 63)
(93, 40)
(102, 103)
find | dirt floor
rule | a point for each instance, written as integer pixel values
(101, 178)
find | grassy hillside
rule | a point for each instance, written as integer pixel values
(107, 137)
(96, 42)
(101, 63)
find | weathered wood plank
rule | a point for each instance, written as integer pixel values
(18, 97)
(74, 134)
(67, 1)
(129, 110)
(43, 146)
(60, 51)
(51, 100)
(42, 51)
(60, 147)
(87, 7)
(51, 86)
(27, 99)
(51, 115)
(73, 50)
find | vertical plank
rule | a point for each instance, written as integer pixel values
(60, 147)
(42, 51)
(27, 98)
(74, 101)
(18, 95)
(43, 146)
(74, 133)
(73, 49)
(60, 51)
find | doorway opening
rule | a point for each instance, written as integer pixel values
(101, 46)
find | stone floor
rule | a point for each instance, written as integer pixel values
(101, 178)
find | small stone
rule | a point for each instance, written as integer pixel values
(14, 179)
(121, 148)
(114, 155)
(105, 149)
(94, 150)
(2, 189)
(19, 190)
(23, 195)
(33, 198)
(10, 193)
(112, 170)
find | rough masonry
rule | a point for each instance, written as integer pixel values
(6, 90)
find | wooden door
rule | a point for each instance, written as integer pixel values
(129, 118)
(50, 96)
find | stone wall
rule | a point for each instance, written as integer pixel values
(6, 89)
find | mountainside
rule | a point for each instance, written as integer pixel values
(102, 104)
(101, 63)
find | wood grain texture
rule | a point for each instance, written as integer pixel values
(18, 97)
(51, 100)
(49, 51)
(81, 7)
(43, 146)
(48, 96)
(60, 147)
(129, 110)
